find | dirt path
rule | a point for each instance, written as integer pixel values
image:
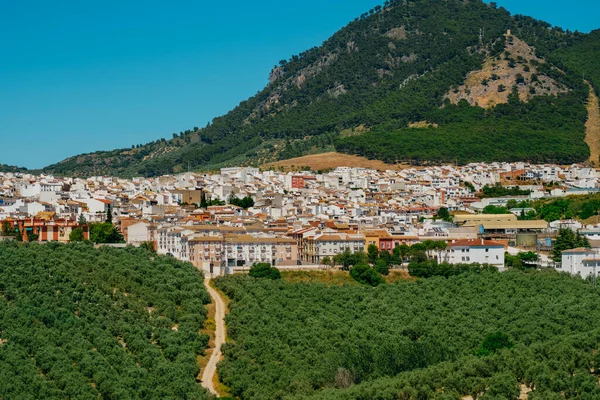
(592, 127)
(211, 368)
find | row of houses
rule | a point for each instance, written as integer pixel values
(223, 249)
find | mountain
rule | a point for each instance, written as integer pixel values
(422, 81)
(12, 168)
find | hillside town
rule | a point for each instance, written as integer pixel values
(228, 221)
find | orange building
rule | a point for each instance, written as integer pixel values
(57, 230)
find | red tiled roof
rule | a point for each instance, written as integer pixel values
(104, 201)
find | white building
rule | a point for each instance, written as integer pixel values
(138, 233)
(330, 245)
(169, 241)
(580, 261)
(475, 251)
(245, 250)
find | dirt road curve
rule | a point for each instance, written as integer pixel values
(211, 367)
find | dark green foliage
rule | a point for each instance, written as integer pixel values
(428, 269)
(76, 235)
(545, 129)
(8, 229)
(381, 266)
(264, 270)
(568, 207)
(208, 203)
(493, 343)
(500, 191)
(413, 340)
(444, 214)
(365, 274)
(105, 232)
(372, 253)
(245, 203)
(85, 323)
(581, 57)
(11, 168)
(347, 259)
(491, 209)
(522, 261)
(148, 246)
(566, 240)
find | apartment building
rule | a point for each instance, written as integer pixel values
(330, 244)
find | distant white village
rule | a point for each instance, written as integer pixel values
(298, 219)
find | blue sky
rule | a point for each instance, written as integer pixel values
(80, 76)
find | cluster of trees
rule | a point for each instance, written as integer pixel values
(431, 268)
(492, 209)
(567, 240)
(12, 168)
(367, 275)
(582, 207)
(370, 267)
(366, 268)
(546, 129)
(383, 259)
(245, 202)
(523, 260)
(264, 270)
(523, 215)
(204, 203)
(480, 334)
(500, 191)
(581, 56)
(79, 322)
(104, 232)
(444, 214)
(8, 229)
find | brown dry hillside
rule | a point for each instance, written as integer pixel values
(516, 67)
(592, 127)
(331, 160)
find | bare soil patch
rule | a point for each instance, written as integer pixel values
(592, 127)
(331, 160)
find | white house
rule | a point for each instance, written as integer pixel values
(475, 251)
(97, 206)
(582, 261)
(34, 208)
(138, 233)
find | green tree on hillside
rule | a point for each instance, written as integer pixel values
(567, 240)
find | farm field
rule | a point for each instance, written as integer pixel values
(85, 323)
(487, 335)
